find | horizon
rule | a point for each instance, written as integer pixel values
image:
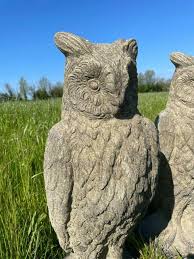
(27, 48)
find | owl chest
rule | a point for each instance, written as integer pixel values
(92, 149)
(106, 158)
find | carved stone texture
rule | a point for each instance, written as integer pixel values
(101, 159)
(175, 195)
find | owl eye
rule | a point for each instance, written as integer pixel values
(94, 84)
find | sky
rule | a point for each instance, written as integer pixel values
(27, 28)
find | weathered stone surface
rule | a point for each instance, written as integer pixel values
(174, 201)
(101, 159)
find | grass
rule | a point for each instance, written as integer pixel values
(25, 231)
(151, 104)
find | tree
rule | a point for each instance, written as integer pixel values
(41, 94)
(10, 94)
(43, 89)
(141, 79)
(4, 97)
(57, 90)
(23, 89)
(44, 84)
(149, 77)
(31, 91)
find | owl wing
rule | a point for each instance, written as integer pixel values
(166, 124)
(166, 128)
(58, 182)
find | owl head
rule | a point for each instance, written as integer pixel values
(182, 86)
(100, 79)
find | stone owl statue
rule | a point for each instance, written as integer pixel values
(101, 159)
(173, 219)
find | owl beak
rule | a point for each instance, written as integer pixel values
(111, 88)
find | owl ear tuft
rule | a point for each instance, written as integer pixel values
(72, 45)
(130, 46)
(181, 60)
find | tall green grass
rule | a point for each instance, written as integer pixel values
(25, 231)
(151, 104)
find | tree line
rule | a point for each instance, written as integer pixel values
(44, 89)
(149, 82)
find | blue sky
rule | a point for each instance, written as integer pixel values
(27, 29)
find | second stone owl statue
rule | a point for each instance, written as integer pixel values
(176, 134)
(101, 159)
(172, 220)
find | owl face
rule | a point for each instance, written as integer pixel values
(182, 87)
(97, 75)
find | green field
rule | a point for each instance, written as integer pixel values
(25, 231)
